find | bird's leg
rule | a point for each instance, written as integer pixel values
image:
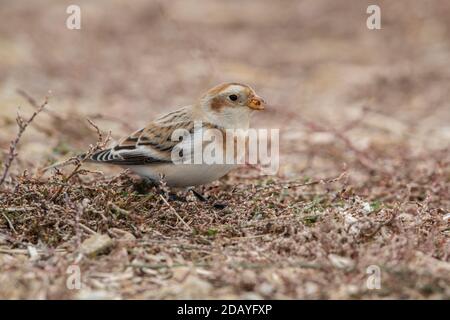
(198, 195)
(202, 198)
(165, 191)
(170, 194)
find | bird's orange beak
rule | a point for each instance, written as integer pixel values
(256, 103)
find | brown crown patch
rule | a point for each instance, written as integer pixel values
(221, 87)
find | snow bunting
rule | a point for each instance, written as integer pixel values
(149, 151)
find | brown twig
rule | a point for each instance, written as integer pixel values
(35, 105)
(295, 184)
(176, 213)
(10, 224)
(97, 129)
(101, 142)
(123, 123)
(290, 185)
(23, 124)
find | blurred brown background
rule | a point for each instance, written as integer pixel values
(372, 102)
(312, 60)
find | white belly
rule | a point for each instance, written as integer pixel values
(183, 175)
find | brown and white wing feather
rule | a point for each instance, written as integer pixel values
(152, 144)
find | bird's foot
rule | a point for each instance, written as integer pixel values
(202, 198)
(199, 196)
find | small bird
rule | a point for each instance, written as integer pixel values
(148, 151)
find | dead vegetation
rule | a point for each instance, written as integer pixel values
(365, 162)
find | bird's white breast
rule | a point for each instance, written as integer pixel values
(183, 175)
(188, 172)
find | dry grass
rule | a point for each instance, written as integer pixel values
(370, 104)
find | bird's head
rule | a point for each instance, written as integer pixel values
(231, 104)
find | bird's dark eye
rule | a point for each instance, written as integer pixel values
(233, 97)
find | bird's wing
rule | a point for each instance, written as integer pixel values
(152, 144)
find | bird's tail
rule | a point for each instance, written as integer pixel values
(102, 155)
